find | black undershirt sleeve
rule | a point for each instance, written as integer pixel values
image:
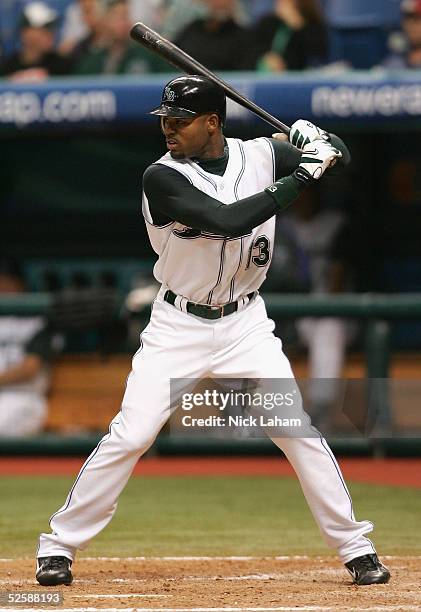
(171, 197)
(287, 157)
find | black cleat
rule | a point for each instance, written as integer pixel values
(368, 570)
(52, 571)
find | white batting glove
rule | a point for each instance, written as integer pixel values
(302, 132)
(317, 157)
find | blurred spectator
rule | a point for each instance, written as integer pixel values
(217, 40)
(26, 348)
(82, 18)
(292, 37)
(359, 31)
(149, 12)
(181, 13)
(95, 40)
(111, 51)
(37, 58)
(407, 46)
(81, 22)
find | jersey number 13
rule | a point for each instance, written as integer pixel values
(259, 252)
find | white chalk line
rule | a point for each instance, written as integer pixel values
(198, 558)
(412, 596)
(116, 596)
(179, 558)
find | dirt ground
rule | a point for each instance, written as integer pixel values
(224, 583)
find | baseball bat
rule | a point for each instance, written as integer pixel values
(156, 43)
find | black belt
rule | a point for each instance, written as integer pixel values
(205, 311)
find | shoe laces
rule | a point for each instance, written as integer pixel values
(56, 562)
(369, 562)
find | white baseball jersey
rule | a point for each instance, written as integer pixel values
(207, 268)
(15, 334)
(23, 407)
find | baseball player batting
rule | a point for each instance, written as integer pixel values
(209, 205)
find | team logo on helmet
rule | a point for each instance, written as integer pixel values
(169, 94)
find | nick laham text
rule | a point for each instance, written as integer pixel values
(239, 421)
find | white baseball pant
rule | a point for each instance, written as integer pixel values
(179, 345)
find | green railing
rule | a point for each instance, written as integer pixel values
(362, 306)
(26, 304)
(377, 310)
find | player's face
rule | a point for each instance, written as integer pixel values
(189, 137)
(38, 40)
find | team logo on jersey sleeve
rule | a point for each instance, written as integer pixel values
(187, 232)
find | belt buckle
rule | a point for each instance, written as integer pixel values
(220, 308)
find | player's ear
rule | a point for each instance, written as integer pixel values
(213, 122)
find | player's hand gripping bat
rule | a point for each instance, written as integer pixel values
(178, 58)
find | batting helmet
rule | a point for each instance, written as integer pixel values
(189, 96)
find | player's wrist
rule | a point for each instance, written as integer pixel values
(303, 177)
(285, 190)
